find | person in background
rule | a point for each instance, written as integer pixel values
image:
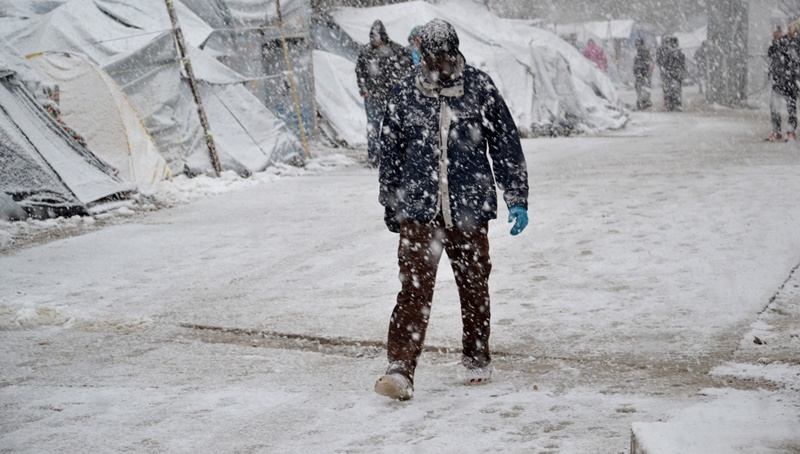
(448, 140)
(793, 42)
(596, 54)
(642, 71)
(784, 89)
(672, 65)
(413, 44)
(381, 63)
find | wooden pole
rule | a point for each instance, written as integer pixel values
(176, 30)
(291, 80)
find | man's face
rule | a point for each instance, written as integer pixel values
(776, 35)
(442, 65)
(375, 39)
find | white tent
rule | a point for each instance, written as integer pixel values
(92, 103)
(43, 169)
(339, 101)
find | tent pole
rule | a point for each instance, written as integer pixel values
(310, 44)
(176, 30)
(291, 79)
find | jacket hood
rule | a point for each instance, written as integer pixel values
(378, 33)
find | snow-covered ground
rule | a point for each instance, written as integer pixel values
(249, 315)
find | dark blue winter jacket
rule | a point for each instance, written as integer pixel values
(479, 126)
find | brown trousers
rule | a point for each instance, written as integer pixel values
(418, 254)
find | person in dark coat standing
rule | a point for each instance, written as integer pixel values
(642, 71)
(381, 63)
(447, 138)
(672, 64)
(782, 74)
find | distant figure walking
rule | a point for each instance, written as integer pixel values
(782, 74)
(672, 64)
(381, 63)
(596, 54)
(642, 72)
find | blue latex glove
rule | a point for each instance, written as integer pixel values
(519, 216)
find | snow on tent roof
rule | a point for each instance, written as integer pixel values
(547, 84)
(42, 166)
(92, 103)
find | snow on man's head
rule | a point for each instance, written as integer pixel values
(438, 37)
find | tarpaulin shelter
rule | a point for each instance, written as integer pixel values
(246, 37)
(42, 168)
(92, 103)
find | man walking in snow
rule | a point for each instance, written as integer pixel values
(381, 63)
(447, 138)
(784, 89)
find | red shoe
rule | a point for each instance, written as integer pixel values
(774, 136)
(790, 137)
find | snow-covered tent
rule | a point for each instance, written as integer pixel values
(248, 136)
(246, 38)
(43, 169)
(338, 100)
(132, 42)
(339, 104)
(92, 103)
(547, 84)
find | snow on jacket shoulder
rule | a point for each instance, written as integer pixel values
(480, 129)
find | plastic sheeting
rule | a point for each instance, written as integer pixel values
(92, 103)
(42, 166)
(248, 136)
